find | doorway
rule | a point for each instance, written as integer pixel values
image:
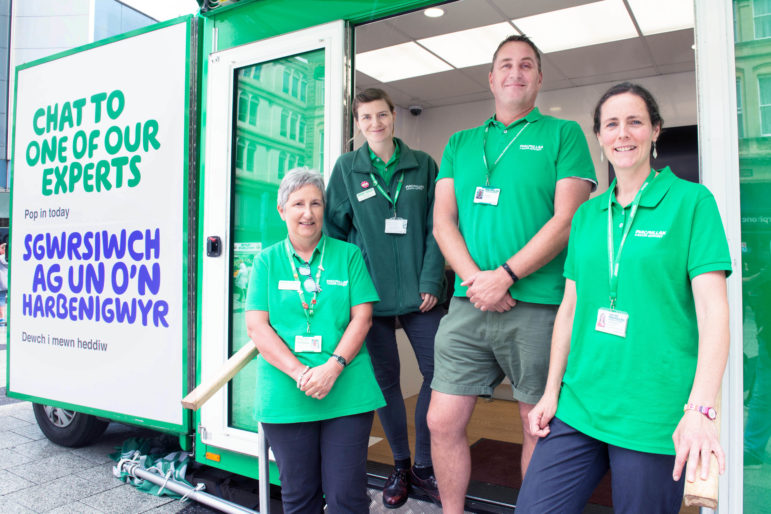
(435, 69)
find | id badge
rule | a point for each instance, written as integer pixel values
(364, 195)
(612, 322)
(395, 226)
(288, 285)
(307, 344)
(487, 195)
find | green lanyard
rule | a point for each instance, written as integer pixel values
(615, 259)
(488, 170)
(385, 193)
(307, 309)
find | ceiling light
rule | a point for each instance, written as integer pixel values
(399, 62)
(469, 47)
(434, 12)
(657, 16)
(583, 25)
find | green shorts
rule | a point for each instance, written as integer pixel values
(474, 350)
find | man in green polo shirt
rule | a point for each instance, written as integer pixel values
(505, 196)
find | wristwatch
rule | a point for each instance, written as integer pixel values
(710, 412)
(340, 360)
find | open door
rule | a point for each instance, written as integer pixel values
(272, 105)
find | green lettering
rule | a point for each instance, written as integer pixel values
(88, 177)
(102, 175)
(132, 147)
(51, 116)
(61, 179)
(112, 149)
(33, 146)
(48, 152)
(97, 100)
(150, 131)
(79, 104)
(116, 97)
(119, 163)
(135, 175)
(47, 181)
(62, 151)
(40, 113)
(76, 173)
(79, 144)
(66, 117)
(93, 139)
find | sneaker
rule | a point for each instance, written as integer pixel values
(396, 489)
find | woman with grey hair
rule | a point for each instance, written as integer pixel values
(308, 309)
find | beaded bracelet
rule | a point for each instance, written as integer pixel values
(299, 379)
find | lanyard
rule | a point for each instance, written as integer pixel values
(615, 259)
(488, 170)
(385, 193)
(307, 309)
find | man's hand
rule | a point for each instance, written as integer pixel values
(489, 290)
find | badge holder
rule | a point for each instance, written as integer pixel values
(307, 344)
(487, 195)
(396, 225)
(612, 322)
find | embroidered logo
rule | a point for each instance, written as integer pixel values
(331, 282)
(535, 148)
(364, 184)
(655, 234)
(414, 187)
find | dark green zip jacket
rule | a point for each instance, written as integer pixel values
(402, 266)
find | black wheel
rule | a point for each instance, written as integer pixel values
(67, 427)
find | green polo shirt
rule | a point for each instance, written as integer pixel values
(545, 151)
(386, 169)
(344, 283)
(630, 392)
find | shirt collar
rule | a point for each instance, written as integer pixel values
(316, 250)
(362, 161)
(377, 160)
(653, 194)
(531, 117)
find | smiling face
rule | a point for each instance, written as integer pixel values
(515, 79)
(626, 132)
(376, 121)
(303, 213)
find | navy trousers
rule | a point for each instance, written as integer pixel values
(322, 459)
(567, 465)
(420, 328)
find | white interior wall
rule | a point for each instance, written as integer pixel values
(675, 93)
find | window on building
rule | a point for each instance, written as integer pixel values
(251, 147)
(762, 14)
(285, 83)
(295, 86)
(240, 148)
(243, 106)
(281, 165)
(293, 127)
(253, 104)
(284, 123)
(764, 90)
(304, 90)
(301, 131)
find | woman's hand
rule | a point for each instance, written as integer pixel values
(318, 381)
(696, 440)
(540, 415)
(429, 302)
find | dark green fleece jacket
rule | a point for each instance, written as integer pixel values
(402, 266)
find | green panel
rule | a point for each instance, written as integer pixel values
(233, 462)
(279, 111)
(753, 74)
(261, 19)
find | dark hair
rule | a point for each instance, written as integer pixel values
(517, 38)
(370, 95)
(635, 89)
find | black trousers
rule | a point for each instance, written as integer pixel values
(322, 459)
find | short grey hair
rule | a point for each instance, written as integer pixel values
(297, 178)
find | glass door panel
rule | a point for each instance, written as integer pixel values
(279, 126)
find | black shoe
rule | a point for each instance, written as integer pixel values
(428, 485)
(396, 489)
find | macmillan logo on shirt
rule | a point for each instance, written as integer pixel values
(535, 148)
(655, 234)
(414, 187)
(331, 282)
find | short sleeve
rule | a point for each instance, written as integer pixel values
(570, 260)
(257, 291)
(708, 247)
(361, 288)
(574, 159)
(447, 169)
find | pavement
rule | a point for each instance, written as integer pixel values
(38, 476)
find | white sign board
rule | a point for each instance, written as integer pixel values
(98, 257)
